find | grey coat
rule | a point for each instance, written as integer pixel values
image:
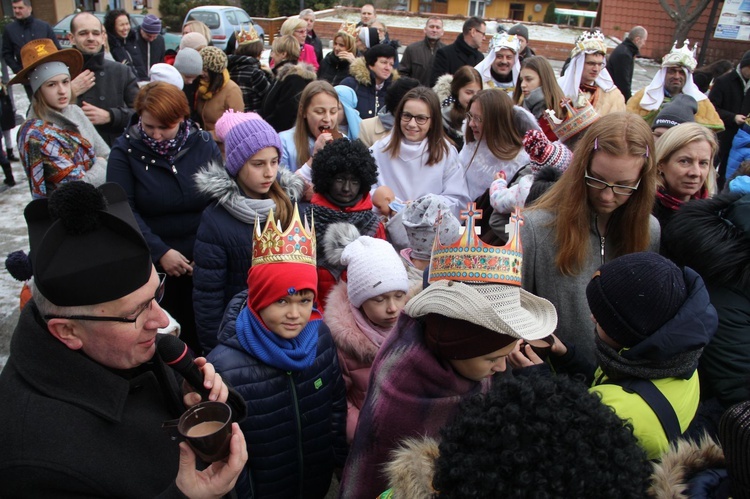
(567, 293)
(417, 60)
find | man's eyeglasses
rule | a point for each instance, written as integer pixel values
(593, 64)
(130, 320)
(480, 32)
(407, 117)
(621, 190)
(470, 117)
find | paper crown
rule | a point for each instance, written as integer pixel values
(681, 57)
(246, 36)
(577, 120)
(589, 43)
(295, 245)
(505, 41)
(350, 29)
(471, 260)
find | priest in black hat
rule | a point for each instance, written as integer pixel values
(84, 392)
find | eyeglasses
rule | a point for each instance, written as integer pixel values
(421, 119)
(300, 31)
(130, 320)
(620, 190)
(471, 117)
(480, 32)
(593, 64)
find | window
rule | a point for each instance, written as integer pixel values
(476, 8)
(231, 17)
(210, 19)
(242, 17)
(516, 11)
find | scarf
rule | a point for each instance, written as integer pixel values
(203, 86)
(745, 83)
(168, 148)
(248, 210)
(373, 333)
(671, 202)
(615, 366)
(359, 215)
(386, 119)
(288, 355)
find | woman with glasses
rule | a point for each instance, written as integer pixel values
(297, 28)
(416, 158)
(154, 161)
(684, 162)
(599, 209)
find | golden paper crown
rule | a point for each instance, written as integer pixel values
(295, 245)
(350, 29)
(576, 121)
(248, 36)
(681, 57)
(471, 260)
(505, 41)
(589, 43)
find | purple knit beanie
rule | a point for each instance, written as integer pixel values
(151, 24)
(247, 138)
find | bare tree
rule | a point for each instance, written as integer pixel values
(684, 13)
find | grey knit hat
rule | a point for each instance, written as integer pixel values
(519, 30)
(681, 109)
(419, 220)
(188, 62)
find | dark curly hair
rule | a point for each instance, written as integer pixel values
(344, 156)
(539, 437)
(111, 17)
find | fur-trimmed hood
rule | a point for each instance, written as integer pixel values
(359, 70)
(215, 181)
(443, 87)
(303, 69)
(412, 467)
(346, 334)
(683, 461)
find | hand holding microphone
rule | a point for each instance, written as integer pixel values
(198, 373)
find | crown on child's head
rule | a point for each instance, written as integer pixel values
(295, 245)
(590, 42)
(350, 29)
(683, 56)
(471, 260)
(246, 36)
(577, 120)
(505, 41)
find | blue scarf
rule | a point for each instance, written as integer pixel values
(289, 355)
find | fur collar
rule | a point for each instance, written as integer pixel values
(680, 463)
(412, 467)
(346, 334)
(302, 69)
(359, 70)
(443, 87)
(215, 181)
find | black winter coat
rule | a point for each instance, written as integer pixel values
(296, 423)
(728, 97)
(126, 51)
(362, 81)
(451, 57)
(19, 33)
(280, 105)
(254, 82)
(333, 70)
(115, 91)
(157, 50)
(312, 39)
(620, 66)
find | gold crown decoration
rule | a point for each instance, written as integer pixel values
(246, 36)
(577, 119)
(471, 260)
(295, 245)
(505, 41)
(683, 56)
(590, 42)
(350, 29)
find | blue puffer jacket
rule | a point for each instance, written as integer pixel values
(224, 244)
(362, 80)
(296, 422)
(740, 150)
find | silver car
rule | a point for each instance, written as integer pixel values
(222, 21)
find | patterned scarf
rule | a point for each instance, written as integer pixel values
(671, 202)
(168, 148)
(289, 355)
(615, 366)
(203, 86)
(590, 89)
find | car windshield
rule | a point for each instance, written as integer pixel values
(243, 18)
(210, 19)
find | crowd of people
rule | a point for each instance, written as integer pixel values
(389, 270)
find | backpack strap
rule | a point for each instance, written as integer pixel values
(657, 401)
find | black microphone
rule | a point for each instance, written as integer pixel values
(175, 353)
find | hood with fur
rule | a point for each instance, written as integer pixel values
(303, 69)
(215, 181)
(344, 329)
(684, 460)
(443, 87)
(412, 467)
(359, 70)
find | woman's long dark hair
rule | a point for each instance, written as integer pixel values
(111, 18)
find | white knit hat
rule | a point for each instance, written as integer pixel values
(164, 72)
(373, 268)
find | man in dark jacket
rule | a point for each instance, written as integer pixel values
(85, 390)
(150, 41)
(729, 97)
(463, 52)
(622, 59)
(312, 38)
(417, 59)
(106, 90)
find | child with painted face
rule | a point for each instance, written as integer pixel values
(278, 354)
(363, 310)
(243, 191)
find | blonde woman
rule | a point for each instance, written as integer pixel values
(297, 28)
(335, 65)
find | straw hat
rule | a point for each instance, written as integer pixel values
(37, 52)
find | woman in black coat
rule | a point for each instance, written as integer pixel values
(335, 65)
(122, 42)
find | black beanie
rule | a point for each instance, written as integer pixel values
(734, 435)
(745, 61)
(681, 109)
(634, 295)
(382, 50)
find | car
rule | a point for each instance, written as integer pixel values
(62, 28)
(223, 21)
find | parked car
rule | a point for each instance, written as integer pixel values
(222, 21)
(62, 28)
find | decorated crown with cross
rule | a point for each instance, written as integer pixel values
(471, 260)
(682, 56)
(295, 245)
(590, 42)
(246, 36)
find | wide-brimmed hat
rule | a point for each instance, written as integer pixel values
(41, 51)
